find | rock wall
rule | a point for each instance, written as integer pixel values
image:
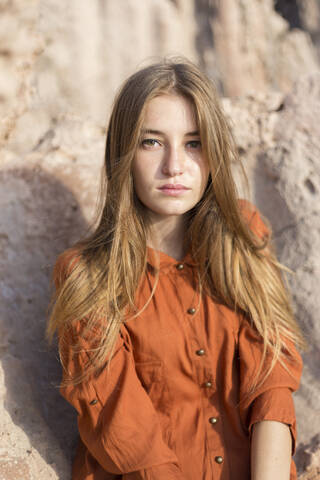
(303, 15)
(71, 56)
(278, 138)
(255, 48)
(61, 65)
(47, 197)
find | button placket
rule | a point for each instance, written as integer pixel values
(202, 364)
(190, 310)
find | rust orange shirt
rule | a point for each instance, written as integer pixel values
(174, 404)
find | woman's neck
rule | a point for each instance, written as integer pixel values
(167, 235)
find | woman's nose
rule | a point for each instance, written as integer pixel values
(172, 162)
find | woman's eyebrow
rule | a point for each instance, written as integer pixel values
(158, 132)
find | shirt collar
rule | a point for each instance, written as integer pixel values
(158, 259)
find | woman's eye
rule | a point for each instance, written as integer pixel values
(150, 142)
(195, 144)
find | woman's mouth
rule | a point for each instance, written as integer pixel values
(173, 189)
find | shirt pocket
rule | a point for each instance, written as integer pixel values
(151, 374)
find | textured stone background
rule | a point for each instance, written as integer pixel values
(61, 64)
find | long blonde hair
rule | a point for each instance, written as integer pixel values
(237, 268)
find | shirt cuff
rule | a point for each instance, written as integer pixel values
(276, 405)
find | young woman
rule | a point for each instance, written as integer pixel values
(176, 332)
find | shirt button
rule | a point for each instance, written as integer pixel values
(192, 311)
(208, 384)
(180, 266)
(93, 402)
(200, 352)
(218, 459)
(213, 420)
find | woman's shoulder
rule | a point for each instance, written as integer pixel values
(256, 221)
(65, 263)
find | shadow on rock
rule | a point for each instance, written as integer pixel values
(39, 218)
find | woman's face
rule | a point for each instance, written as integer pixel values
(169, 170)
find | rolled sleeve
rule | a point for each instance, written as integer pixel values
(277, 405)
(272, 399)
(116, 418)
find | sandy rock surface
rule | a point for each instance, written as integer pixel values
(265, 51)
(61, 64)
(309, 460)
(293, 169)
(279, 141)
(47, 197)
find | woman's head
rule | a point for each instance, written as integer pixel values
(177, 87)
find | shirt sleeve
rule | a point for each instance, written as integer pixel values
(272, 399)
(116, 418)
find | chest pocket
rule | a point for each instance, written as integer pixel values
(152, 377)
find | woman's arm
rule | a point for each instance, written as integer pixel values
(271, 447)
(117, 421)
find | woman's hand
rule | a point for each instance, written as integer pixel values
(270, 451)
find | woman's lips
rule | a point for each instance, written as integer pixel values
(173, 189)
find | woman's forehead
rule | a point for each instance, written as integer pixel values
(167, 111)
